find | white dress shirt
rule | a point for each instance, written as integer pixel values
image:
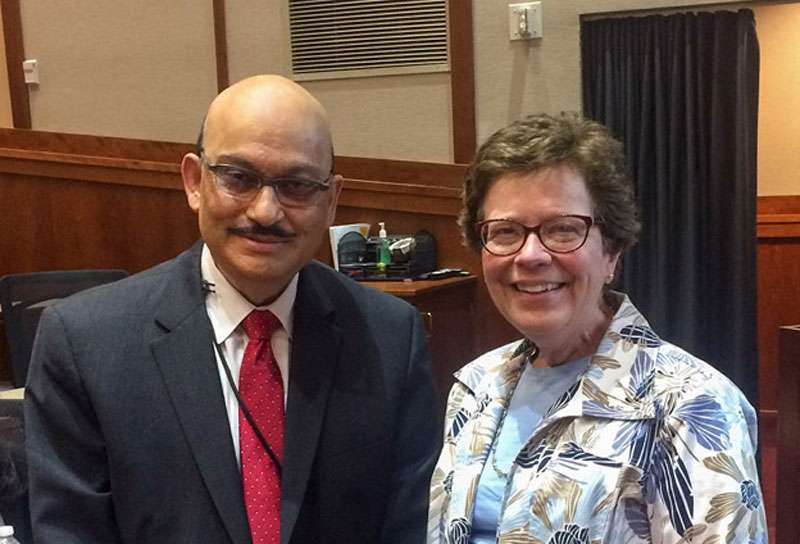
(226, 309)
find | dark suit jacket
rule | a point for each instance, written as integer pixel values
(128, 439)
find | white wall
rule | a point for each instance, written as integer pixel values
(514, 79)
(779, 100)
(146, 69)
(134, 68)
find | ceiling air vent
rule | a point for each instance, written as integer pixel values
(345, 38)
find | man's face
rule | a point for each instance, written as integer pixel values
(260, 244)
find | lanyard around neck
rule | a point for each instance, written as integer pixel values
(207, 288)
(243, 407)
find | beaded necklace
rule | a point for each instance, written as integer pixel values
(533, 352)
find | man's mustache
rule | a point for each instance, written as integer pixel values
(261, 230)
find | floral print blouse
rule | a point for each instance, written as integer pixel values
(650, 445)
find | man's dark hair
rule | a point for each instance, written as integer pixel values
(198, 146)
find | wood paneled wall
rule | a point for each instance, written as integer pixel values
(778, 286)
(82, 202)
(778, 304)
(73, 201)
(788, 458)
(70, 201)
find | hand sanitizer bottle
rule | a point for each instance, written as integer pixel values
(384, 255)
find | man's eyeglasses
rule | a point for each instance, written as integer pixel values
(244, 184)
(562, 234)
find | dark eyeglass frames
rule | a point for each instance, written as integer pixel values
(562, 234)
(244, 184)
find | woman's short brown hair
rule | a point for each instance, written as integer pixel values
(541, 141)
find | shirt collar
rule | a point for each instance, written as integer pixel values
(603, 388)
(227, 307)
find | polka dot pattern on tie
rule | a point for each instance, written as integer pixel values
(261, 390)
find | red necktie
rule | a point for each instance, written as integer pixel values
(261, 390)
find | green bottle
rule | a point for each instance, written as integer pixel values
(384, 255)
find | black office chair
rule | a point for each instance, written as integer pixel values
(24, 296)
(14, 476)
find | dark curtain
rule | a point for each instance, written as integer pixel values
(681, 93)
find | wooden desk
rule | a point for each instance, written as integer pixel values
(447, 309)
(788, 459)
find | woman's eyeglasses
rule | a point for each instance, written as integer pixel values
(562, 234)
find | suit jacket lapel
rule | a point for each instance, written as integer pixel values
(185, 357)
(315, 349)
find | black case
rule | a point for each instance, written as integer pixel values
(358, 257)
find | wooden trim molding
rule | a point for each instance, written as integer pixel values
(401, 197)
(372, 184)
(82, 145)
(375, 195)
(779, 204)
(778, 216)
(779, 226)
(95, 146)
(113, 170)
(462, 80)
(413, 172)
(15, 54)
(221, 45)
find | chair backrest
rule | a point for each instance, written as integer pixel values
(24, 296)
(14, 470)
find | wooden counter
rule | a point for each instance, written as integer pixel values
(447, 308)
(788, 458)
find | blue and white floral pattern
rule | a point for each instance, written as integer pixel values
(651, 445)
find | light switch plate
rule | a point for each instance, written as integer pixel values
(30, 68)
(525, 21)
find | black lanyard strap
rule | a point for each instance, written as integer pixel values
(246, 412)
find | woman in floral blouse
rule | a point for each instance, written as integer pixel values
(591, 429)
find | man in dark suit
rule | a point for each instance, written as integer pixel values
(140, 425)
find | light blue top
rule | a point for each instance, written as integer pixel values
(537, 390)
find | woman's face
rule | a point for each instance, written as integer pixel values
(554, 299)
